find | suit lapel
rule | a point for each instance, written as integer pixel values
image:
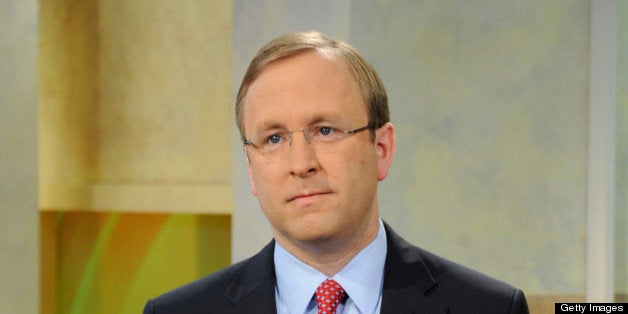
(407, 279)
(253, 290)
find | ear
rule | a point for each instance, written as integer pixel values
(250, 171)
(385, 149)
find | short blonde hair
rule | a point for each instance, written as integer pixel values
(371, 86)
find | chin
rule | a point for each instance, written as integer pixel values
(316, 238)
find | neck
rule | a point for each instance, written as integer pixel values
(330, 257)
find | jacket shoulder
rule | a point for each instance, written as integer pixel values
(457, 287)
(451, 275)
(469, 289)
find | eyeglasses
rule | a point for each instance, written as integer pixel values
(320, 138)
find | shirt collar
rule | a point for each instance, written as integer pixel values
(362, 277)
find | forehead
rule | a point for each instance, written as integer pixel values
(310, 85)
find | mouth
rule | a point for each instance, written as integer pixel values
(306, 197)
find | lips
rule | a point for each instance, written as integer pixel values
(306, 196)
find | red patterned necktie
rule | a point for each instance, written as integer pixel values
(328, 295)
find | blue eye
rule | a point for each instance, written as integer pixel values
(274, 139)
(325, 130)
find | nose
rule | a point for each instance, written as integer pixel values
(305, 135)
(303, 161)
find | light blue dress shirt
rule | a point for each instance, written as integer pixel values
(362, 279)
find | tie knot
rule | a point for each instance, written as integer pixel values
(328, 295)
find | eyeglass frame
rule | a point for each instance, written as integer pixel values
(308, 139)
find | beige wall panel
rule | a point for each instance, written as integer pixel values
(621, 159)
(490, 101)
(19, 217)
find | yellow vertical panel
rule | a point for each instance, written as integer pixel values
(165, 91)
(68, 96)
(134, 94)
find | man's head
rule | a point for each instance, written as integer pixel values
(312, 165)
(371, 86)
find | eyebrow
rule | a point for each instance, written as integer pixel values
(269, 125)
(274, 125)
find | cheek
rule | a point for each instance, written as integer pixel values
(354, 173)
(254, 178)
(366, 164)
(266, 180)
(260, 182)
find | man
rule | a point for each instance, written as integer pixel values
(314, 121)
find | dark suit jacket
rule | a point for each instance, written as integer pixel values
(415, 281)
